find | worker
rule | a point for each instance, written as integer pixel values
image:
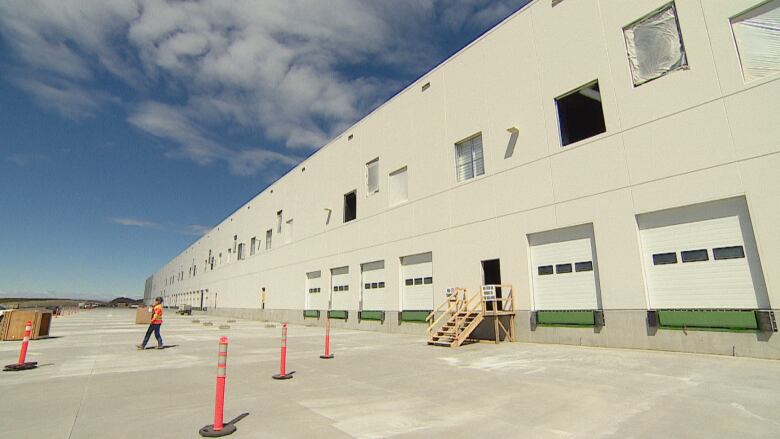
(262, 299)
(154, 326)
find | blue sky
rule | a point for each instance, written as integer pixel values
(131, 127)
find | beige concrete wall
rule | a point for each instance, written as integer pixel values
(692, 136)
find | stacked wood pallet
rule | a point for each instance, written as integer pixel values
(13, 323)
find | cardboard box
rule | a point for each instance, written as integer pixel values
(14, 321)
(143, 315)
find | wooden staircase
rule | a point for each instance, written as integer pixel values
(460, 315)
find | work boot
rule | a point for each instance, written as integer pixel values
(140, 347)
(160, 347)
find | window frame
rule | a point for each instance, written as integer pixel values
(473, 159)
(373, 164)
(352, 193)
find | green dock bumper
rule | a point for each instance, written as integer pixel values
(311, 314)
(378, 316)
(413, 316)
(566, 318)
(734, 320)
(339, 315)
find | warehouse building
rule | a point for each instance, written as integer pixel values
(617, 163)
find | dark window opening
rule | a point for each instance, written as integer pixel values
(418, 281)
(335, 288)
(428, 280)
(736, 252)
(409, 282)
(544, 270)
(381, 285)
(563, 268)
(350, 206)
(491, 275)
(367, 286)
(694, 256)
(664, 258)
(583, 266)
(374, 285)
(580, 114)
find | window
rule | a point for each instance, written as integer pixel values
(583, 266)
(398, 187)
(580, 114)
(694, 256)
(562, 268)
(288, 233)
(544, 270)
(279, 222)
(736, 252)
(268, 235)
(654, 45)
(428, 280)
(252, 244)
(350, 206)
(418, 281)
(241, 251)
(235, 243)
(469, 160)
(372, 177)
(757, 34)
(664, 258)
(409, 282)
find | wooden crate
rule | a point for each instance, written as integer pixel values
(14, 321)
(143, 315)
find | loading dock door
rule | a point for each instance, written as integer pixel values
(315, 297)
(341, 291)
(417, 282)
(564, 269)
(373, 286)
(702, 257)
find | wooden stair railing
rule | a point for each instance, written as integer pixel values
(463, 315)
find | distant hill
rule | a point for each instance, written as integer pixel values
(126, 300)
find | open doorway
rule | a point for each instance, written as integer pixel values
(491, 275)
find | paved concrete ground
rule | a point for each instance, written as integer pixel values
(93, 383)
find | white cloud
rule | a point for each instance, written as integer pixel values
(194, 230)
(67, 98)
(188, 229)
(134, 222)
(284, 69)
(24, 160)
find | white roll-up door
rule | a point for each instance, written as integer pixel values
(373, 286)
(564, 267)
(342, 293)
(702, 256)
(417, 282)
(316, 298)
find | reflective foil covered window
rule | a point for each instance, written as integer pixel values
(655, 46)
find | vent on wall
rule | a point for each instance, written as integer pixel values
(350, 136)
(555, 2)
(426, 86)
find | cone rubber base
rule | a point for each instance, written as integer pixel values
(23, 366)
(208, 431)
(326, 357)
(279, 376)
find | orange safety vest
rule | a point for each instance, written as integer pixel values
(157, 314)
